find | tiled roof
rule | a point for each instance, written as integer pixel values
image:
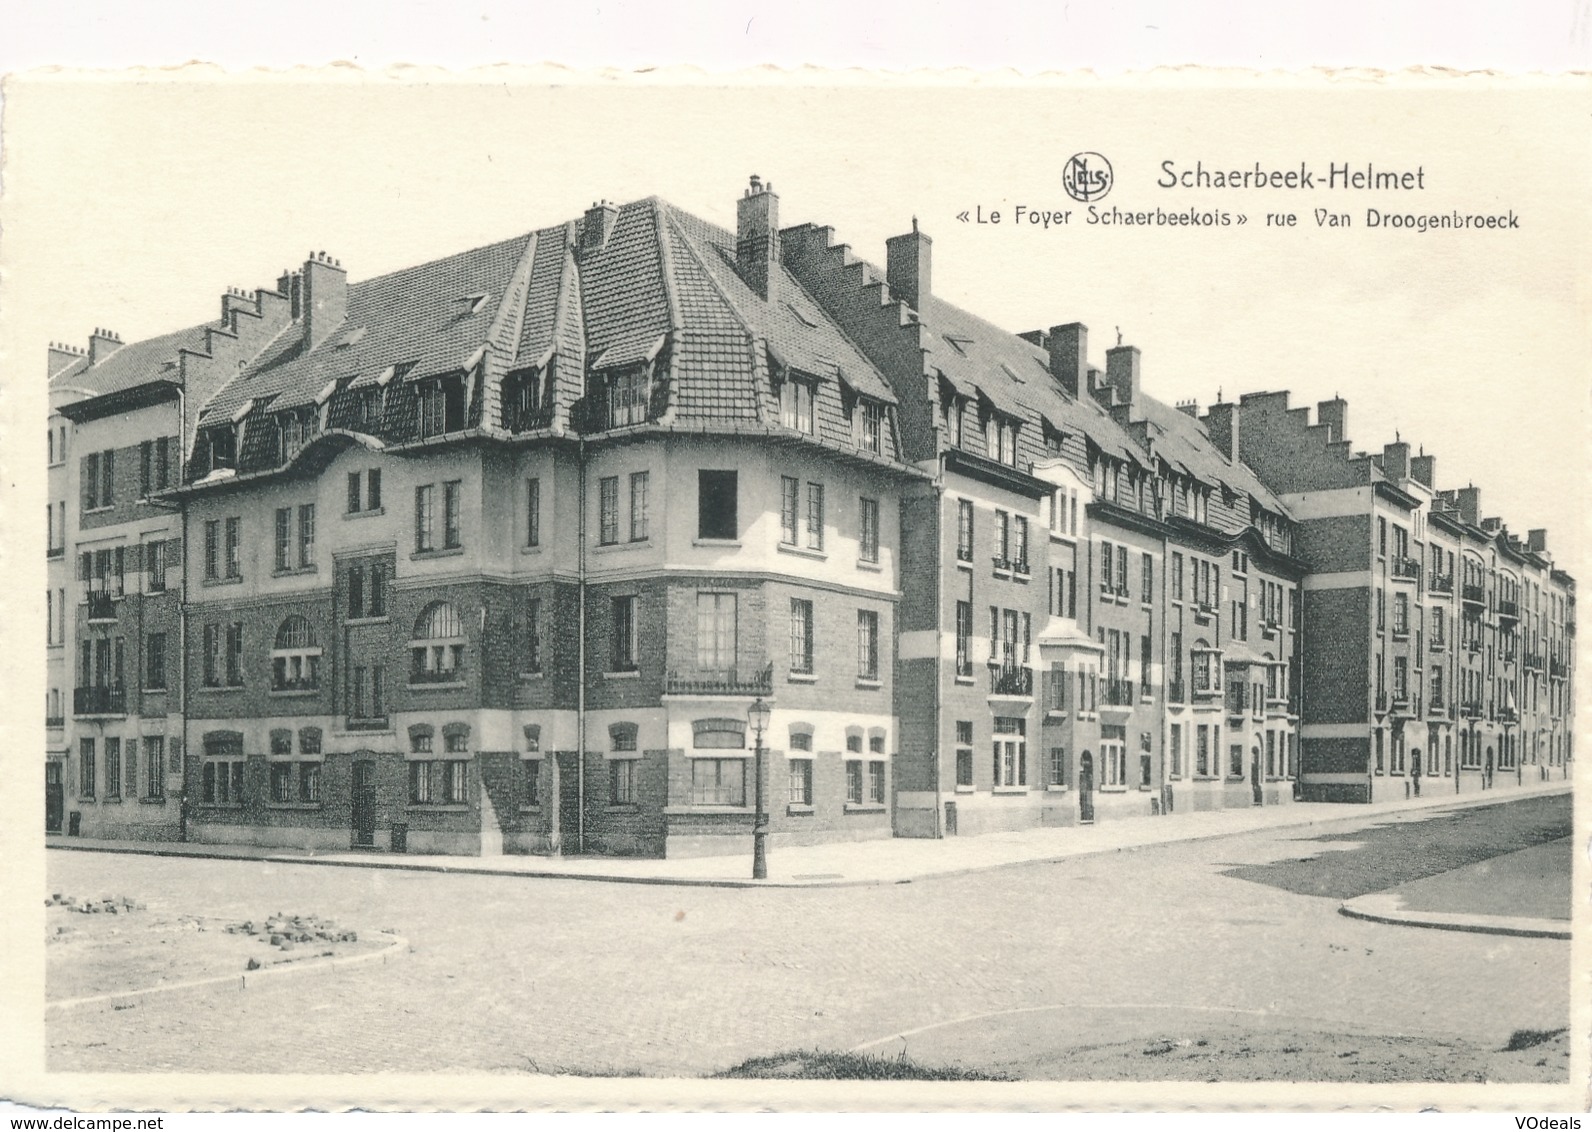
(133, 364)
(979, 357)
(1184, 442)
(793, 324)
(414, 316)
(660, 271)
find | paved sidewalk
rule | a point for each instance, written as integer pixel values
(885, 861)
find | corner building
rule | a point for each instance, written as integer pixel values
(494, 553)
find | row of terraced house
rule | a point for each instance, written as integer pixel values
(548, 545)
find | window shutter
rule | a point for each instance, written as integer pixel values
(85, 566)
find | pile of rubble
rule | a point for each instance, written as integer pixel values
(286, 931)
(113, 905)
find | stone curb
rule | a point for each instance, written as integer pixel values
(1388, 908)
(243, 980)
(1351, 813)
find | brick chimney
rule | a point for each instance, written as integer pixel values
(1068, 347)
(600, 218)
(1221, 422)
(1335, 415)
(1537, 540)
(1396, 461)
(62, 356)
(1122, 373)
(907, 266)
(102, 344)
(325, 302)
(1189, 408)
(1468, 501)
(1423, 469)
(757, 238)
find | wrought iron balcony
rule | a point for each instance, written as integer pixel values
(1534, 660)
(55, 722)
(1406, 569)
(720, 682)
(101, 606)
(1558, 668)
(1437, 706)
(1011, 680)
(1507, 715)
(1472, 709)
(436, 675)
(1117, 693)
(1509, 609)
(1473, 594)
(1440, 583)
(99, 699)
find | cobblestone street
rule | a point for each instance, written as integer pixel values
(523, 975)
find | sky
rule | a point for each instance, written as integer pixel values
(133, 206)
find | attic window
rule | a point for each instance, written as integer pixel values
(472, 303)
(1011, 373)
(802, 316)
(959, 342)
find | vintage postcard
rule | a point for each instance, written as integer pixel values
(794, 590)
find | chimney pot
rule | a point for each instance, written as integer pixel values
(1221, 423)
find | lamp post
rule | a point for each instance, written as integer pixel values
(757, 718)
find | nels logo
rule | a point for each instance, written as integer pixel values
(1087, 176)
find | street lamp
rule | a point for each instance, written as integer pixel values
(757, 718)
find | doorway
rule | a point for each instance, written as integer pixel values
(1086, 788)
(1254, 778)
(54, 796)
(364, 796)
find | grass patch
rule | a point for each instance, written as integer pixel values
(1525, 1039)
(823, 1065)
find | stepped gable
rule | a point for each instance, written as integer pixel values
(1185, 444)
(132, 365)
(982, 360)
(415, 317)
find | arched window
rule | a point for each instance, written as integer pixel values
(437, 651)
(296, 659)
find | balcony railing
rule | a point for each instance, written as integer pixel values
(1118, 693)
(101, 606)
(1475, 595)
(1437, 706)
(1406, 569)
(305, 684)
(1569, 625)
(1400, 704)
(1441, 583)
(436, 675)
(55, 722)
(1473, 645)
(1558, 669)
(1534, 660)
(1204, 610)
(1507, 715)
(708, 682)
(1472, 709)
(1509, 609)
(99, 699)
(1011, 680)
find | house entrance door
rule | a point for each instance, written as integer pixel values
(1086, 787)
(54, 797)
(364, 792)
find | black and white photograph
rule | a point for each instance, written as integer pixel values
(796, 589)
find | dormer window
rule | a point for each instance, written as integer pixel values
(223, 447)
(1000, 439)
(367, 409)
(522, 401)
(441, 406)
(295, 429)
(796, 397)
(629, 396)
(872, 425)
